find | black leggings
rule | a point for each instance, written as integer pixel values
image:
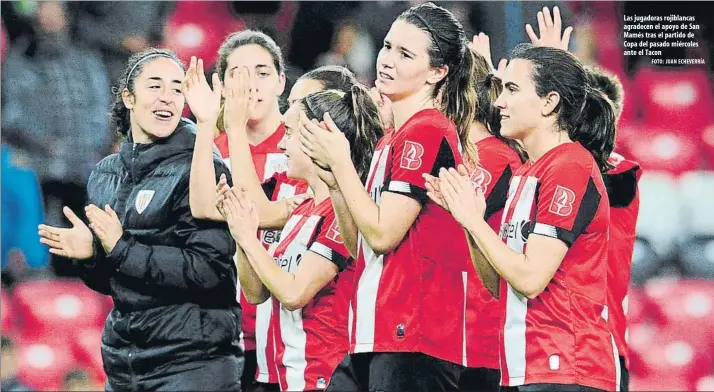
(394, 372)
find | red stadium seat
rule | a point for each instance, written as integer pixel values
(677, 99)
(661, 149)
(87, 349)
(660, 382)
(8, 313)
(43, 364)
(197, 28)
(640, 308)
(57, 308)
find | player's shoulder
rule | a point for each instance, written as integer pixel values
(427, 124)
(570, 158)
(494, 152)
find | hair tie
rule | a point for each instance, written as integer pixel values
(128, 77)
(430, 32)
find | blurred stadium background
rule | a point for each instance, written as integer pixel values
(57, 63)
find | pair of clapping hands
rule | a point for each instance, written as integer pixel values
(77, 242)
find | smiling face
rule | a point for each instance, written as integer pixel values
(265, 78)
(403, 64)
(520, 106)
(157, 102)
(300, 166)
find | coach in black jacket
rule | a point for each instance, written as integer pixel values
(175, 323)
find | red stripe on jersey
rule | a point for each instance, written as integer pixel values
(621, 183)
(398, 308)
(312, 341)
(497, 163)
(562, 336)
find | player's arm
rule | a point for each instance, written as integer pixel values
(251, 285)
(202, 182)
(348, 227)
(528, 273)
(325, 257)
(488, 275)
(272, 215)
(567, 203)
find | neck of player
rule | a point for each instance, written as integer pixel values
(405, 107)
(259, 130)
(543, 139)
(478, 132)
(319, 188)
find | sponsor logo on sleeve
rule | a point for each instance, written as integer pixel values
(562, 203)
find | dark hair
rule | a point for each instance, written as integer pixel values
(76, 375)
(119, 115)
(488, 88)
(235, 41)
(449, 47)
(584, 112)
(248, 37)
(332, 77)
(608, 83)
(356, 115)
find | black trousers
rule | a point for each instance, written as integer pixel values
(550, 388)
(388, 372)
(220, 374)
(624, 376)
(480, 379)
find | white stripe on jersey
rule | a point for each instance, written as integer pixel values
(368, 284)
(465, 276)
(292, 332)
(514, 334)
(262, 324)
(616, 353)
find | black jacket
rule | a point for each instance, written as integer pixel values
(172, 277)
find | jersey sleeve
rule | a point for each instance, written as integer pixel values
(567, 201)
(329, 244)
(422, 149)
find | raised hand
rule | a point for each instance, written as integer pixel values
(293, 202)
(74, 243)
(239, 100)
(205, 103)
(550, 30)
(323, 142)
(105, 224)
(465, 203)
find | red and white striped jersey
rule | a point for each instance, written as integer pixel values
(621, 183)
(412, 299)
(270, 165)
(311, 342)
(497, 163)
(562, 336)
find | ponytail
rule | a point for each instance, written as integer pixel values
(368, 131)
(595, 127)
(458, 101)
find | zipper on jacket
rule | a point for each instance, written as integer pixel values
(133, 158)
(132, 376)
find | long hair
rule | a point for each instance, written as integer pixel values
(449, 48)
(583, 111)
(332, 77)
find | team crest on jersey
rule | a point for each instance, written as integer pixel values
(562, 203)
(143, 198)
(321, 384)
(480, 179)
(333, 232)
(411, 157)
